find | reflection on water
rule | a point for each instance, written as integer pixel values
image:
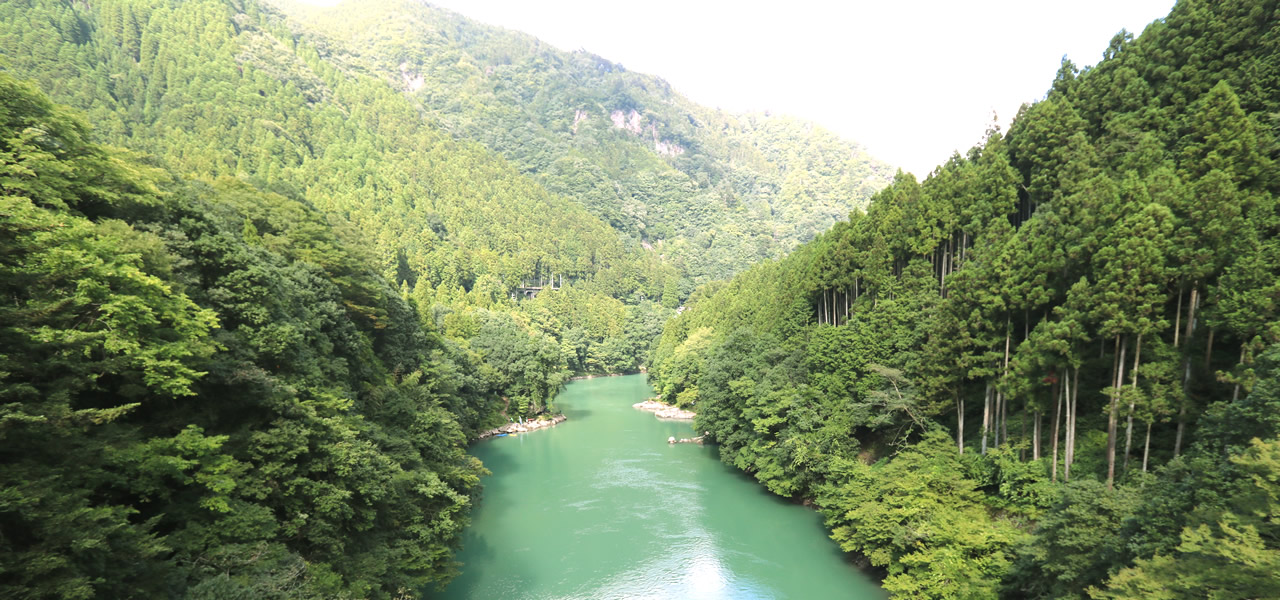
(602, 507)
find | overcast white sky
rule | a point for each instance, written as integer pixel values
(912, 80)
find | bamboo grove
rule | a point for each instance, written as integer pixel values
(1044, 371)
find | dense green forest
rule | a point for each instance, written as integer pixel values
(266, 269)
(712, 192)
(1052, 368)
(259, 294)
(212, 90)
(228, 88)
(205, 392)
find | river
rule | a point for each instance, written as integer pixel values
(602, 506)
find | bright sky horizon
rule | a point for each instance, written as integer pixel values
(912, 81)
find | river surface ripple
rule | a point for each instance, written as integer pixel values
(602, 506)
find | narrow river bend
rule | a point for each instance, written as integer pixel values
(602, 507)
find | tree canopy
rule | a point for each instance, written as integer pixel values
(1084, 306)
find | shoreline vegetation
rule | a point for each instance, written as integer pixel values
(1044, 356)
(525, 427)
(662, 410)
(640, 371)
(540, 422)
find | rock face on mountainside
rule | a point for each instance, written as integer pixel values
(710, 191)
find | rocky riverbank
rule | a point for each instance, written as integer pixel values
(696, 440)
(662, 410)
(583, 377)
(524, 427)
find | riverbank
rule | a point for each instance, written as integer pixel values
(695, 440)
(524, 427)
(583, 377)
(571, 514)
(662, 410)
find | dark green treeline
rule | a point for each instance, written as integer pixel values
(469, 160)
(241, 358)
(1050, 369)
(713, 192)
(214, 89)
(205, 392)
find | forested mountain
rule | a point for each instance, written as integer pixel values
(1052, 368)
(212, 90)
(258, 297)
(713, 192)
(223, 88)
(205, 392)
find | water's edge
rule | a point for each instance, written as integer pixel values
(606, 508)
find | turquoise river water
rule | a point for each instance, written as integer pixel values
(602, 506)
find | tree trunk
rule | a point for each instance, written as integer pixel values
(1191, 311)
(1208, 351)
(1177, 318)
(1115, 362)
(1004, 419)
(1073, 399)
(1022, 435)
(1003, 416)
(1186, 368)
(1035, 438)
(996, 438)
(960, 423)
(1128, 428)
(1057, 417)
(986, 416)
(1146, 449)
(946, 264)
(1235, 393)
(1114, 413)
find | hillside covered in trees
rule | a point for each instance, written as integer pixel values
(711, 191)
(286, 103)
(259, 294)
(1052, 368)
(205, 392)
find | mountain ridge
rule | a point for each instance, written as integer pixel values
(558, 115)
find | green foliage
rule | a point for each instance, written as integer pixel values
(205, 392)
(712, 192)
(233, 91)
(1076, 542)
(1231, 554)
(247, 367)
(1086, 304)
(922, 520)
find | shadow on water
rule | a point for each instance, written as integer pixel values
(493, 459)
(854, 561)
(603, 507)
(480, 566)
(576, 413)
